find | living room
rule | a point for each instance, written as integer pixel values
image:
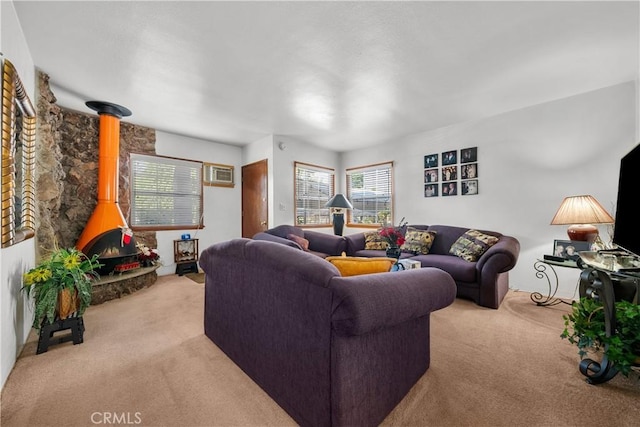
(530, 157)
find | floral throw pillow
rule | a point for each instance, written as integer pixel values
(472, 244)
(418, 242)
(374, 241)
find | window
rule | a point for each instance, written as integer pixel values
(166, 193)
(314, 186)
(369, 189)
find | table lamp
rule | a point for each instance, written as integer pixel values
(580, 213)
(337, 203)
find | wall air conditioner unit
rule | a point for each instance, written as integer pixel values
(217, 175)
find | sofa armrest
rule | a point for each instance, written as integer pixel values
(325, 243)
(500, 257)
(370, 302)
(277, 239)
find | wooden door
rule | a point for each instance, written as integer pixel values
(254, 198)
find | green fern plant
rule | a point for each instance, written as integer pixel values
(62, 269)
(585, 327)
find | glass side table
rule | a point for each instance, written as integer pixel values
(543, 267)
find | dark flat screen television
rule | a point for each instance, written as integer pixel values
(626, 232)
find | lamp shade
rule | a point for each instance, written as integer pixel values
(338, 201)
(580, 212)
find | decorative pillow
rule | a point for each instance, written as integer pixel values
(304, 243)
(418, 242)
(472, 244)
(353, 266)
(374, 241)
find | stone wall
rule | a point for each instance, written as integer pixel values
(67, 170)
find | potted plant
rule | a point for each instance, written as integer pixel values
(61, 285)
(585, 327)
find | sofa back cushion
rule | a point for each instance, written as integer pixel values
(284, 231)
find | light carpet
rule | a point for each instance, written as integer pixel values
(145, 357)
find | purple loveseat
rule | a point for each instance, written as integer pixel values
(485, 281)
(320, 244)
(330, 350)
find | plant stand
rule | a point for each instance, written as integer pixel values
(75, 324)
(607, 287)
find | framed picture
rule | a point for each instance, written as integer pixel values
(469, 155)
(469, 171)
(449, 188)
(430, 175)
(450, 157)
(469, 187)
(449, 173)
(431, 161)
(431, 190)
(568, 249)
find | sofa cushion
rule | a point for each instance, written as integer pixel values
(354, 266)
(304, 243)
(418, 241)
(374, 241)
(472, 244)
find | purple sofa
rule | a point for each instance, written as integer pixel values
(330, 350)
(485, 281)
(320, 244)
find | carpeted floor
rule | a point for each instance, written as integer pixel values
(146, 360)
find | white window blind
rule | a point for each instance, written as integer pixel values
(166, 192)
(314, 186)
(370, 190)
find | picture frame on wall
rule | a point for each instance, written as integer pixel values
(430, 175)
(469, 155)
(431, 190)
(469, 187)
(449, 157)
(431, 161)
(469, 171)
(569, 249)
(449, 188)
(449, 173)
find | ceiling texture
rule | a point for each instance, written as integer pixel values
(340, 75)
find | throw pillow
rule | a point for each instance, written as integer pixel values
(418, 242)
(353, 266)
(472, 244)
(304, 243)
(374, 241)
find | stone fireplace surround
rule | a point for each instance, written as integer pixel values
(67, 182)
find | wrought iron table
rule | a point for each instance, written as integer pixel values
(542, 266)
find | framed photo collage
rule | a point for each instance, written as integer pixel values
(452, 173)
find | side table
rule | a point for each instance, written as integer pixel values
(541, 266)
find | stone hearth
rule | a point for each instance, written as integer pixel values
(116, 285)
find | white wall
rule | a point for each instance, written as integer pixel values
(15, 315)
(221, 205)
(528, 161)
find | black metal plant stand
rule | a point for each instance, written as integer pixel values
(46, 338)
(597, 284)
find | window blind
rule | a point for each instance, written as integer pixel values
(314, 186)
(166, 192)
(370, 190)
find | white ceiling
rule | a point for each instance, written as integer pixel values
(342, 75)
